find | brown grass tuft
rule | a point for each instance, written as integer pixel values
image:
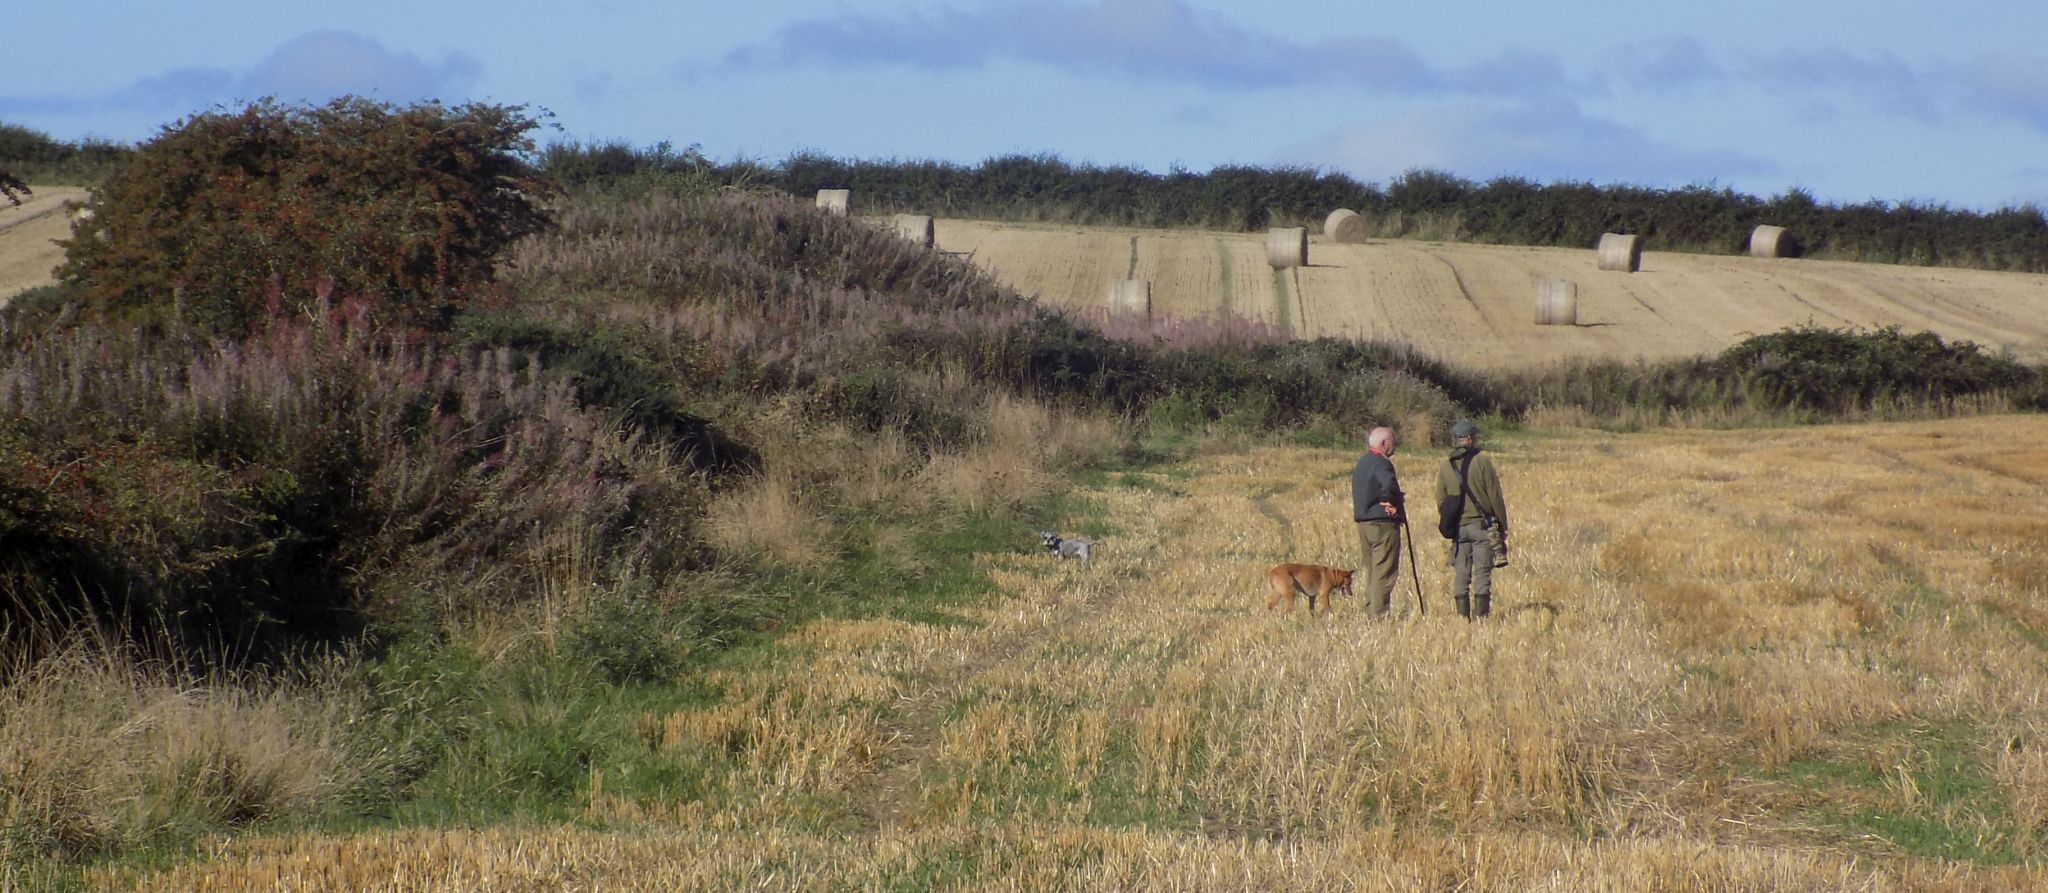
(99, 749)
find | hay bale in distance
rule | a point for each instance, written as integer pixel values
(916, 227)
(1772, 241)
(834, 201)
(1557, 302)
(1344, 225)
(1131, 296)
(1621, 252)
(1287, 246)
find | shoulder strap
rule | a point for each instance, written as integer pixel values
(1466, 490)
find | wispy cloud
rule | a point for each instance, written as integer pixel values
(326, 64)
(1544, 140)
(1883, 80)
(314, 67)
(1167, 40)
(1679, 62)
(2011, 85)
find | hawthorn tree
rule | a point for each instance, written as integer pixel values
(229, 218)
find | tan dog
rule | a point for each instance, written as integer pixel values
(1285, 581)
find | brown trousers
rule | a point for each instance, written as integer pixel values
(1380, 543)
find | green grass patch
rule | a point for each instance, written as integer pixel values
(1283, 307)
(1226, 300)
(1922, 787)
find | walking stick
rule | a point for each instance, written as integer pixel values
(1409, 535)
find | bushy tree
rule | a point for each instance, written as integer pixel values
(11, 188)
(230, 217)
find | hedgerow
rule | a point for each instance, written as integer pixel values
(1425, 203)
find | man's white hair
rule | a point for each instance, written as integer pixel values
(1380, 437)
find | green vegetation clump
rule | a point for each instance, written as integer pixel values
(11, 187)
(1806, 374)
(1832, 370)
(227, 219)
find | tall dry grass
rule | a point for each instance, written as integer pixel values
(101, 749)
(814, 471)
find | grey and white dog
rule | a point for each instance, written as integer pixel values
(1080, 549)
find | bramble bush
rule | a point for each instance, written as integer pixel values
(292, 485)
(231, 217)
(1831, 370)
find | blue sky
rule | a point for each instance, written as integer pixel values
(1892, 100)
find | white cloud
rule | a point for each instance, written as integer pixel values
(1164, 40)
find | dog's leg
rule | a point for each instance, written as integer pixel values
(1274, 594)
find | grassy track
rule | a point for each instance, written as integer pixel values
(1789, 659)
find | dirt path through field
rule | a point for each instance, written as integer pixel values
(28, 254)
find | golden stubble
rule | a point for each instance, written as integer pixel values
(1685, 613)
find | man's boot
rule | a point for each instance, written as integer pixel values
(1484, 605)
(1464, 607)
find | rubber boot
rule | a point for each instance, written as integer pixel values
(1484, 606)
(1464, 607)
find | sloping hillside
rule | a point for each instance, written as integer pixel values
(1475, 304)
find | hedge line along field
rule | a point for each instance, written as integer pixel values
(1789, 659)
(1475, 304)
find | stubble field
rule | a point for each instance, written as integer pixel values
(28, 234)
(1475, 304)
(1770, 660)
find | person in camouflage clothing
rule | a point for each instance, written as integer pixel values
(1482, 539)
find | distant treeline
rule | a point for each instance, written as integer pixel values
(39, 160)
(1418, 204)
(1421, 203)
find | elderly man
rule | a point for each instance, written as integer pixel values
(1482, 524)
(1378, 505)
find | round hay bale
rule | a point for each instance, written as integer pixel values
(1131, 296)
(1621, 252)
(915, 227)
(1287, 246)
(1557, 302)
(1772, 241)
(834, 201)
(1344, 225)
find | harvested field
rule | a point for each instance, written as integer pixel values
(1692, 682)
(1470, 303)
(27, 252)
